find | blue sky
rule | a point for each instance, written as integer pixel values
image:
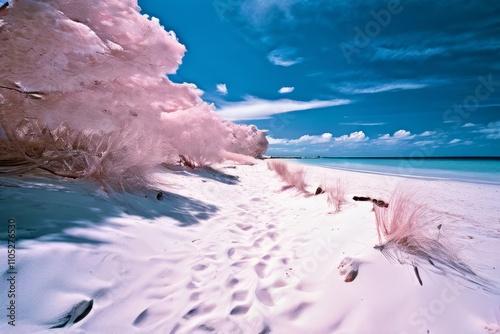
(347, 78)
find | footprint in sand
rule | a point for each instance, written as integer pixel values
(259, 269)
(244, 227)
(261, 239)
(243, 206)
(272, 235)
(191, 286)
(238, 264)
(280, 283)
(242, 309)
(191, 313)
(199, 267)
(232, 282)
(264, 297)
(141, 318)
(199, 310)
(297, 311)
(195, 296)
(76, 314)
(240, 295)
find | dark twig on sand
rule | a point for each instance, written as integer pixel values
(418, 275)
(375, 201)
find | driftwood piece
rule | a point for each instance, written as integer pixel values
(375, 201)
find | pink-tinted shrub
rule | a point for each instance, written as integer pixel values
(408, 232)
(84, 93)
(405, 218)
(293, 178)
(336, 194)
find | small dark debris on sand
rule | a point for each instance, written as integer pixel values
(349, 268)
(351, 276)
(361, 198)
(380, 203)
(319, 191)
(375, 201)
(159, 196)
(418, 275)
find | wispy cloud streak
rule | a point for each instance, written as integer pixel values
(254, 108)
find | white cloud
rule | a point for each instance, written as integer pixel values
(427, 133)
(257, 11)
(254, 108)
(353, 137)
(284, 56)
(285, 90)
(402, 134)
(396, 137)
(492, 130)
(454, 141)
(276, 141)
(468, 125)
(276, 60)
(382, 88)
(307, 139)
(408, 53)
(321, 139)
(494, 135)
(222, 88)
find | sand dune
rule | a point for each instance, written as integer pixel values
(229, 251)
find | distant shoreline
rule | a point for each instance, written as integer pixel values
(391, 158)
(484, 170)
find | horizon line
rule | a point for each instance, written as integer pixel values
(466, 157)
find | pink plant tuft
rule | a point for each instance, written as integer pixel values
(406, 218)
(295, 178)
(408, 231)
(336, 194)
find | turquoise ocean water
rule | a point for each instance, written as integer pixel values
(456, 169)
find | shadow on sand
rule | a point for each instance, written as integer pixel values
(206, 173)
(48, 208)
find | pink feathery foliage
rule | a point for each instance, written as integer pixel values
(293, 178)
(406, 218)
(84, 94)
(336, 194)
(409, 232)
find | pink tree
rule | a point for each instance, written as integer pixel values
(84, 93)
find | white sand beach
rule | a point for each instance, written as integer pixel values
(229, 251)
(112, 221)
